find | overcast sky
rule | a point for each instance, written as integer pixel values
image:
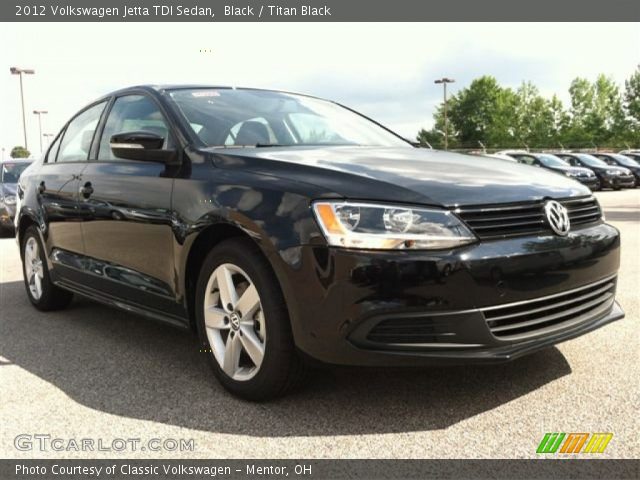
(385, 71)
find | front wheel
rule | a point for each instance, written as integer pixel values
(243, 323)
(42, 293)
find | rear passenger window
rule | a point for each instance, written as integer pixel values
(76, 142)
(132, 113)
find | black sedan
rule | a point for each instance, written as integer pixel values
(551, 162)
(283, 227)
(10, 171)
(621, 161)
(610, 176)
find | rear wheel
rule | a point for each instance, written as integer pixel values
(243, 323)
(42, 293)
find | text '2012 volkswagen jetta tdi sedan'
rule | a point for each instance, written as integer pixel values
(283, 227)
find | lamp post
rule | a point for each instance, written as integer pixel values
(22, 71)
(444, 81)
(40, 113)
(48, 137)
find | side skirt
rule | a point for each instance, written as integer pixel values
(101, 297)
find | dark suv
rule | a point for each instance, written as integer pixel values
(283, 227)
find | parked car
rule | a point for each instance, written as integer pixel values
(632, 154)
(10, 171)
(619, 160)
(547, 160)
(610, 176)
(283, 227)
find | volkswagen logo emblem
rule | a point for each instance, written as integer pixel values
(234, 318)
(557, 217)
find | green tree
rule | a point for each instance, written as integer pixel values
(19, 152)
(473, 109)
(581, 93)
(559, 119)
(632, 107)
(431, 137)
(597, 113)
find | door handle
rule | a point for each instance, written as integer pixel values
(41, 188)
(86, 190)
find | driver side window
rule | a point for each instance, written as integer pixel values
(132, 113)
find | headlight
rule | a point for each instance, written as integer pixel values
(571, 174)
(388, 227)
(613, 172)
(10, 199)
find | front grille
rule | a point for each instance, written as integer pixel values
(409, 331)
(498, 221)
(540, 316)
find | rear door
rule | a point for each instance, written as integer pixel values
(57, 190)
(128, 226)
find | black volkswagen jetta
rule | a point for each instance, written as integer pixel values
(283, 227)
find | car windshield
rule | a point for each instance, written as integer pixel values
(243, 117)
(622, 160)
(591, 161)
(552, 161)
(11, 171)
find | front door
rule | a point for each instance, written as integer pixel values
(128, 225)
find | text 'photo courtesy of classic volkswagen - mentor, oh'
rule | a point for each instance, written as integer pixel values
(284, 228)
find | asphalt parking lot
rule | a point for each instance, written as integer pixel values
(94, 372)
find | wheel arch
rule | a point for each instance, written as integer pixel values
(24, 222)
(202, 244)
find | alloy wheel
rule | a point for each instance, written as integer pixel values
(234, 322)
(33, 267)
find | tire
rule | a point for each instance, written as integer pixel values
(264, 327)
(34, 269)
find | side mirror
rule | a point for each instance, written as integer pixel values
(141, 146)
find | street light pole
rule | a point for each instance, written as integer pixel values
(40, 113)
(21, 71)
(444, 81)
(48, 136)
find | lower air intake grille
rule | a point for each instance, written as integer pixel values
(498, 221)
(408, 331)
(540, 316)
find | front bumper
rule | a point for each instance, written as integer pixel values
(592, 182)
(618, 181)
(440, 300)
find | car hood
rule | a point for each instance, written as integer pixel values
(610, 167)
(402, 174)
